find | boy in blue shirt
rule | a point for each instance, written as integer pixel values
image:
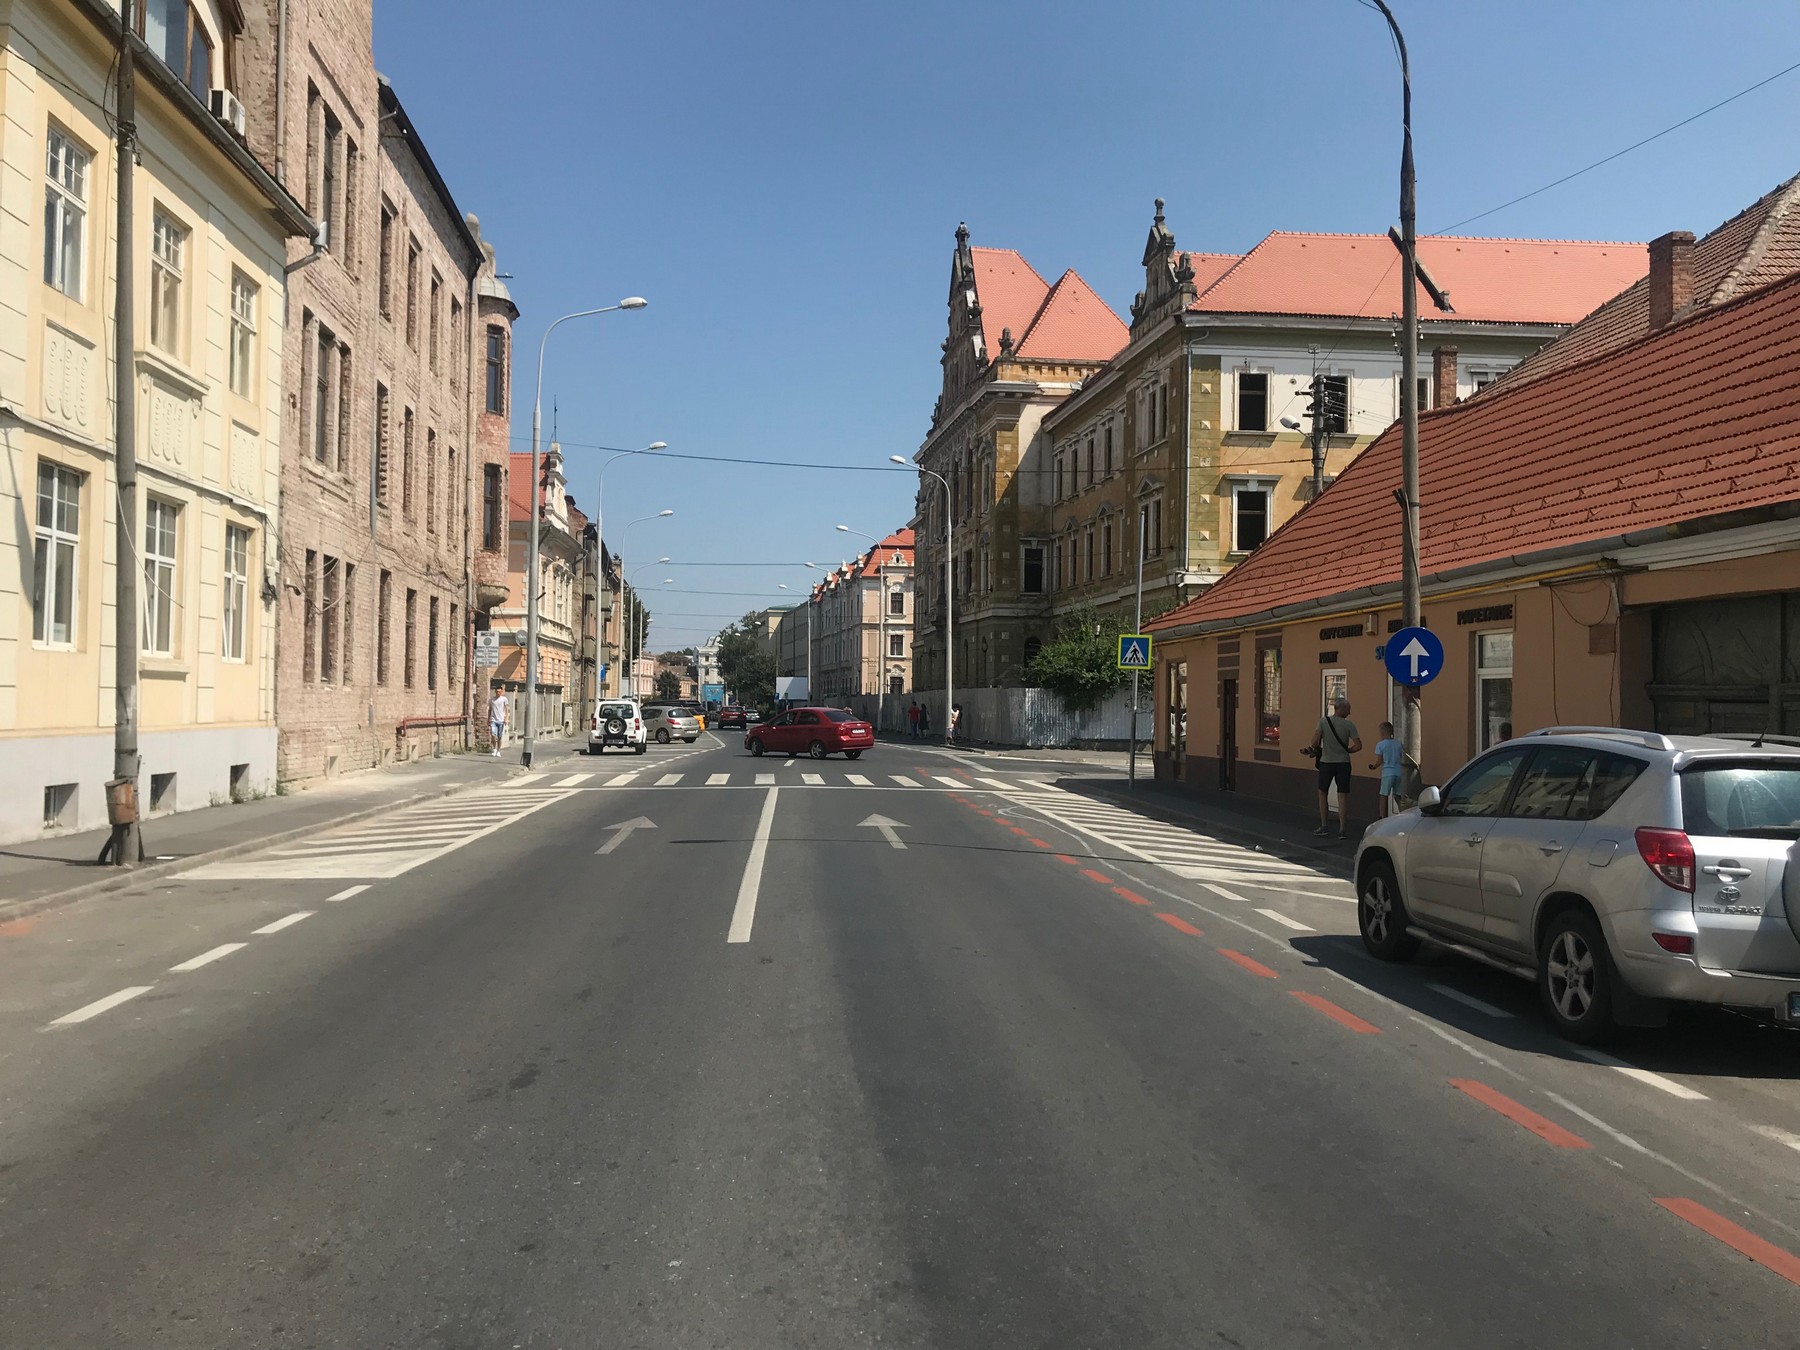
(1389, 751)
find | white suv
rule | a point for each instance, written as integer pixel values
(618, 724)
(1622, 870)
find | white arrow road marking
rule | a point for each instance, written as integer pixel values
(623, 831)
(887, 828)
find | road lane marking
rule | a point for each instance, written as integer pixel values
(948, 781)
(1286, 922)
(280, 924)
(1342, 1016)
(1100, 877)
(1468, 1000)
(887, 828)
(348, 893)
(1225, 894)
(765, 780)
(1179, 924)
(207, 958)
(1740, 1240)
(859, 780)
(621, 780)
(787, 764)
(903, 780)
(1250, 964)
(622, 832)
(718, 780)
(1655, 1080)
(1067, 858)
(669, 780)
(1547, 1130)
(101, 1005)
(573, 780)
(525, 779)
(1780, 1136)
(813, 779)
(743, 917)
(1125, 893)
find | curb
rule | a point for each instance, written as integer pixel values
(19, 909)
(1274, 845)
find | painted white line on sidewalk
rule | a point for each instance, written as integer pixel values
(1655, 1080)
(207, 958)
(859, 780)
(668, 780)
(813, 779)
(1281, 918)
(1225, 894)
(101, 1005)
(718, 780)
(621, 780)
(903, 780)
(280, 924)
(743, 917)
(1468, 1000)
(573, 780)
(348, 893)
(765, 780)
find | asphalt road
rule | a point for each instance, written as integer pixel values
(1014, 1084)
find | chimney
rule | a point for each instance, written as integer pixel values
(1671, 276)
(1443, 376)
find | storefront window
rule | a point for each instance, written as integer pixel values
(1268, 695)
(1334, 689)
(1493, 688)
(1177, 705)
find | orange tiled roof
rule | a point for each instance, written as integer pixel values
(1011, 293)
(518, 484)
(900, 541)
(1691, 421)
(1209, 267)
(1072, 324)
(1488, 280)
(1758, 245)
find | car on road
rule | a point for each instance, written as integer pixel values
(669, 722)
(733, 716)
(617, 724)
(694, 710)
(1623, 871)
(751, 717)
(817, 731)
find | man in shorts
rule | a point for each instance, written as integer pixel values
(1332, 745)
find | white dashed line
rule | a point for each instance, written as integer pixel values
(525, 780)
(1780, 1136)
(668, 780)
(903, 780)
(1283, 919)
(1468, 1000)
(101, 1005)
(573, 780)
(718, 780)
(949, 781)
(207, 958)
(1655, 1080)
(280, 924)
(349, 893)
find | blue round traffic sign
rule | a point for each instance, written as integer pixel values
(1414, 656)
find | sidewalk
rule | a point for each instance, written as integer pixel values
(41, 873)
(1231, 816)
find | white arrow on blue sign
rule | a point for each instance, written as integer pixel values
(1414, 656)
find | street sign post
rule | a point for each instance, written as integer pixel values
(487, 650)
(1134, 651)
(1414, 656)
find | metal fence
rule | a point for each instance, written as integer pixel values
(1020, 717)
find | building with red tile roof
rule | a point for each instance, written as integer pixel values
(1608, 542)
(563, 686)
(862, 623)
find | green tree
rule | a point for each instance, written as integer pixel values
(668, 686)
(747, 664)
(1079, 664)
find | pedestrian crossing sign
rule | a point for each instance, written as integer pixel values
(1134, 651)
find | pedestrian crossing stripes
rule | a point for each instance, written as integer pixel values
(1029, 789)
(394, 843)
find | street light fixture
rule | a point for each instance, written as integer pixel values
(531, 543)
(949, 601)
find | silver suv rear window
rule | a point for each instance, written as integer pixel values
(1751, 799)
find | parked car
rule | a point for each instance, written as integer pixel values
(667, 722)
(695, 710)
(1624, 871)
(817, 731)
(618, 724)
(732, 716)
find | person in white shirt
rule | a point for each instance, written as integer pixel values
(497, 708)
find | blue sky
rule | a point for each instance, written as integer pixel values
(783, 180)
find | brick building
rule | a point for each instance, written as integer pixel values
(384, 398)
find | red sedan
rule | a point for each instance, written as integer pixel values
(818, 731)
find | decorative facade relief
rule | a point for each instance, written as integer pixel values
(171, 425)
(68, 379)
(246, 462)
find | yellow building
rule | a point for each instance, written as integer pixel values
(209, 239)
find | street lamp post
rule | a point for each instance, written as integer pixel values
(949, 599)
(1412, 607)
(531, 543)
(638, 634)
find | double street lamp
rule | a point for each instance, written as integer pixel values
(949, 601)
(532, 594)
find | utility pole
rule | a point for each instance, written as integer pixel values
(1137, 626)
(125, 846)
(1412, 608)
(1321, 414)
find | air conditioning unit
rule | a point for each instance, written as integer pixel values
(229, 109)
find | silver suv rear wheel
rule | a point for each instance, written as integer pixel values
(1575, 977)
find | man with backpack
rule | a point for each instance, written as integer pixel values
(1332, 745)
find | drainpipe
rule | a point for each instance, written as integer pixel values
(281, 43)
(468, 653)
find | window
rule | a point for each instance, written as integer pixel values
(237, 593)
(1091, 472)
(1151, 526)
(328, 622)
(243, 334)
(309, 624)
(1268, 693)
(490, 506)
(431, 483)
(1162, 411)
(56, 555)
(1112, 463)
(412, 293)
(452, 502)
(897, 603)
(1493, 688)
(347, 625)
(323, 347)
(1033, 579)
(1253, 400)
(159, 577)
(1337, 403)
(383, 606)
(1480, 789)
(167, 243)
(1481, 379)
(387, 261)
(1106, 549)
(327, 214)
(452, 642)
(344, 396)
(431, 319)
(431, 646)
(406, 463)
(457, 337)
(496, 369)
(383, 455)
(412, 633)
(173, 31)
(1557, 784)
(896, 644)
(65, 212)
(1249, 516)
(1334, 688)
(1089, 575)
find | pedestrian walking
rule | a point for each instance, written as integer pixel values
(497, 710)
(924, 720)
(912, 719)
(1388, 758)
(955, 719)
(1333, 743)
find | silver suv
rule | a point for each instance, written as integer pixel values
(1622, 870)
